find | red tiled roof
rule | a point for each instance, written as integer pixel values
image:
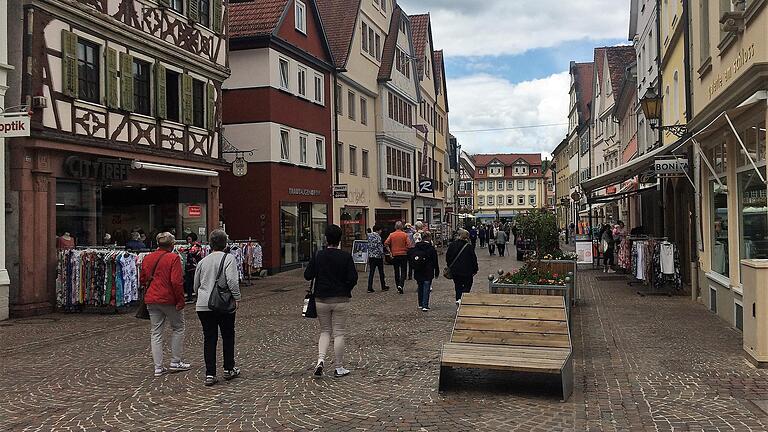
(255, 18)
(339, 20)
(619, 58)
(481, 160)
(584, 75)
(420, 29)
(390, 43)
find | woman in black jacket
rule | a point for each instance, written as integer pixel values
(463, 263)
(335, 275)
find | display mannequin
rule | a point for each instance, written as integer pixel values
(65, 241)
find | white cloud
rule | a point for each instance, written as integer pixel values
(484, 101)
(493, 27)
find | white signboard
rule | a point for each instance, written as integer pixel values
(584, 252)
(360, 251)
(340, 191)
(14, 125)
(671, 166)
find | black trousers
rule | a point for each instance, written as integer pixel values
(491, 247)
(213, 322)
(501, 247)
(608, 256)
(400, 263)
(462, 284)
(189, 282)
(373, 264)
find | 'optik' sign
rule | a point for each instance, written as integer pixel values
(14, 125)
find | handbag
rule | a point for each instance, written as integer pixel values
(221, 299)
(310, 306)
(142, 312)
(447, 273)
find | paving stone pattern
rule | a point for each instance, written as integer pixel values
(652, 363)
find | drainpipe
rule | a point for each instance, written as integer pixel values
(687, 64)
(335, 126)
(661, 118)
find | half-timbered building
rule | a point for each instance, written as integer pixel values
(125, 98)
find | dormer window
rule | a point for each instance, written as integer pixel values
(301, 16)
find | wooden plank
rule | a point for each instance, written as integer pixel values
(529, 313)
(512, 300)
(512, 338)
(548, 352)
(520, 367)
(509, 324)
(486, 358)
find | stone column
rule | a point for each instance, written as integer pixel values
(4, 68)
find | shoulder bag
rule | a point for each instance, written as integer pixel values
(142, 312)
(447, 273)
(310, 306)
(221, 300)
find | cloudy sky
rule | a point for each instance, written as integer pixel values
(507, 64)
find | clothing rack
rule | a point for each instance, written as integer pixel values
(652, 273)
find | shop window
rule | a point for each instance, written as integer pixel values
(289, 226)
(141, 89)
(88, 70)
(198, 104)
(719, 226)
(753, 214)
(319, 224)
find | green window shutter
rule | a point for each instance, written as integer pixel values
(111, 83)
(186, 99)
(211, 108)
(69, 63)
(192, 9)
(217, 12)
(126, 81)
(161, 104)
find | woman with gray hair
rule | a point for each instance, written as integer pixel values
(218, 264)
(462, 261)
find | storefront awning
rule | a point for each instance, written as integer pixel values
(633, 167)
(174, 169)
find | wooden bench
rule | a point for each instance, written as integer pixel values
(521, 333)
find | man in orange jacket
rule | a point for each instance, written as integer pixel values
(162, 275)
(398, 245)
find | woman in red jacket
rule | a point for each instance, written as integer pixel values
(161, 271)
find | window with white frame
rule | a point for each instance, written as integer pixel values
(510, 200)
(491, 185)
(531, 184)
(320, 152)
(521, 200)
(302, 81)
(481, 200)
(353, 160)
(319, 89)
(301, 16)
(490, 200)
(532, 200)
(500, 185)
(284, 71)
(500, 200)
(481, 185)
(303, 149)
(520, 185)
(285, 144)
(511, 185)
(351, 98)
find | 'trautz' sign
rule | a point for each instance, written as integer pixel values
(14, 125)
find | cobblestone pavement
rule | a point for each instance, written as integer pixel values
(652, 363)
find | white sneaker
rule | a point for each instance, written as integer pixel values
(160, 371)
(340, 372)
(180, 367)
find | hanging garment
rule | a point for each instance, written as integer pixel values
(641, 259)
(660, 279)
(667, 258)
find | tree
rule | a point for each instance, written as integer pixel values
(540, 227)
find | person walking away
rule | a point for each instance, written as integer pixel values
(335, 275)
(514, 233)
(161, 271)
(135, 242)
(463, 264)
(193, 257)
(414, 237)
(501, 241)
(376, 258)
(398, 245)
(208, 272)
(607, 245)
(473, 236)
(492, 240)
(423, 259)
(483, 235)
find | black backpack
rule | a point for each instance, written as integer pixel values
(419, 258)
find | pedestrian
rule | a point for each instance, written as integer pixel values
(165, 302)
(194, 252)
(473, 237)
(209, 271)
(335, 275)
(501, 241)
(135, 242)
(482, 234)
(514, 233)
(376, 258)
(423, 258)
(491, 240)
(607, 245)
(398, 244)
(463, 264)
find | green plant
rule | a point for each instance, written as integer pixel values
(540, 227)
(530, 275)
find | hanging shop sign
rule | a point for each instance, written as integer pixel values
(103, 169)
(426, 186)
(239, 167)
(340, 191)
(303, 192)
(671, 166)
(14, 125)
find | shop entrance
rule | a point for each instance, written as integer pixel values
(302, 231)
(387, 219)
